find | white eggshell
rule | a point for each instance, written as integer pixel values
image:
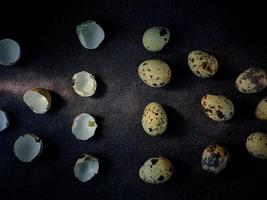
(9, 52)
(4, 120)
(84, 84)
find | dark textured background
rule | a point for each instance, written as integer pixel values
(52, 54)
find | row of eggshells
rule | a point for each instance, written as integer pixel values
(155, 73)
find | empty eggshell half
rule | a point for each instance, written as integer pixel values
(9, 52)
(84, 84)
(84, 126)
(38, 99)
(4, 121)
(27, 147)
(86, 168)
(90, 34)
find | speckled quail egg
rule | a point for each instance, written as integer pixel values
(84, 126)
(9, 52)
(156, 170)
(261, 109)
(38, 100)
(154, 72)
(215, 158)
(90, 34)
(217, 107)
(86, 168)
(257, 145)
(202, 64)
(4, 120)
(84, 84)
(27, 147)
(252, 80)
(154, 119)
(155, 38)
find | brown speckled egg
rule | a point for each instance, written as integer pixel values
(202, 64)
(154, 72)
(257, 145)
(252, 80)
(217, 107)
(154, 119)
(261, 109)
(215, 158)
(156, 170)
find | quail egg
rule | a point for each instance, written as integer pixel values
(154, 119)
(27, 147)
(9, 52)
(156, 170)
(202, 64)
(215, 158)
(155, 38)
(84, 84)
(217, 107)
(90, 34)
(84, 126)
(86, 168)
(4, 120)
(261, 109)
(252, 80)
(257, 145)
(154, 72)
(38, 100)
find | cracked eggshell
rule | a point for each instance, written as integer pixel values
(90, 34)
(154, 72)
(4, 120)
(252, 80)
(155, 38)
(257, 145)
(154, 119)
(202, 64)
(217, 107)
(38, 100)
(156, 170)
(84, 126)
(215, 158)
(27, 147)
(84, 84)
(86, 168)
(261, 109)
(9, 52)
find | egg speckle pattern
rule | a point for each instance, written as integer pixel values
(217, 107)
(257, 145)
(252, 80)
(154, 119)
(155, 38)
(215, 158)
(154, 72)
(202, 64)
(261, 109)
(156, 170)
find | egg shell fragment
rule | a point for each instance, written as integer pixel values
(202, 64)
(90, 34)
(154, 119)
(84, 126)
(156, 170)
(215, 158)
(155, 38)
(86, 168)
(9, 52)
(252, 80)
(261, 109)
(257, 145)
(38, 100)
(154, 72)
(84, 84)
(4, 120)
(27, 147)
(217, 107)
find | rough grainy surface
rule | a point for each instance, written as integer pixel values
(52, 54)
